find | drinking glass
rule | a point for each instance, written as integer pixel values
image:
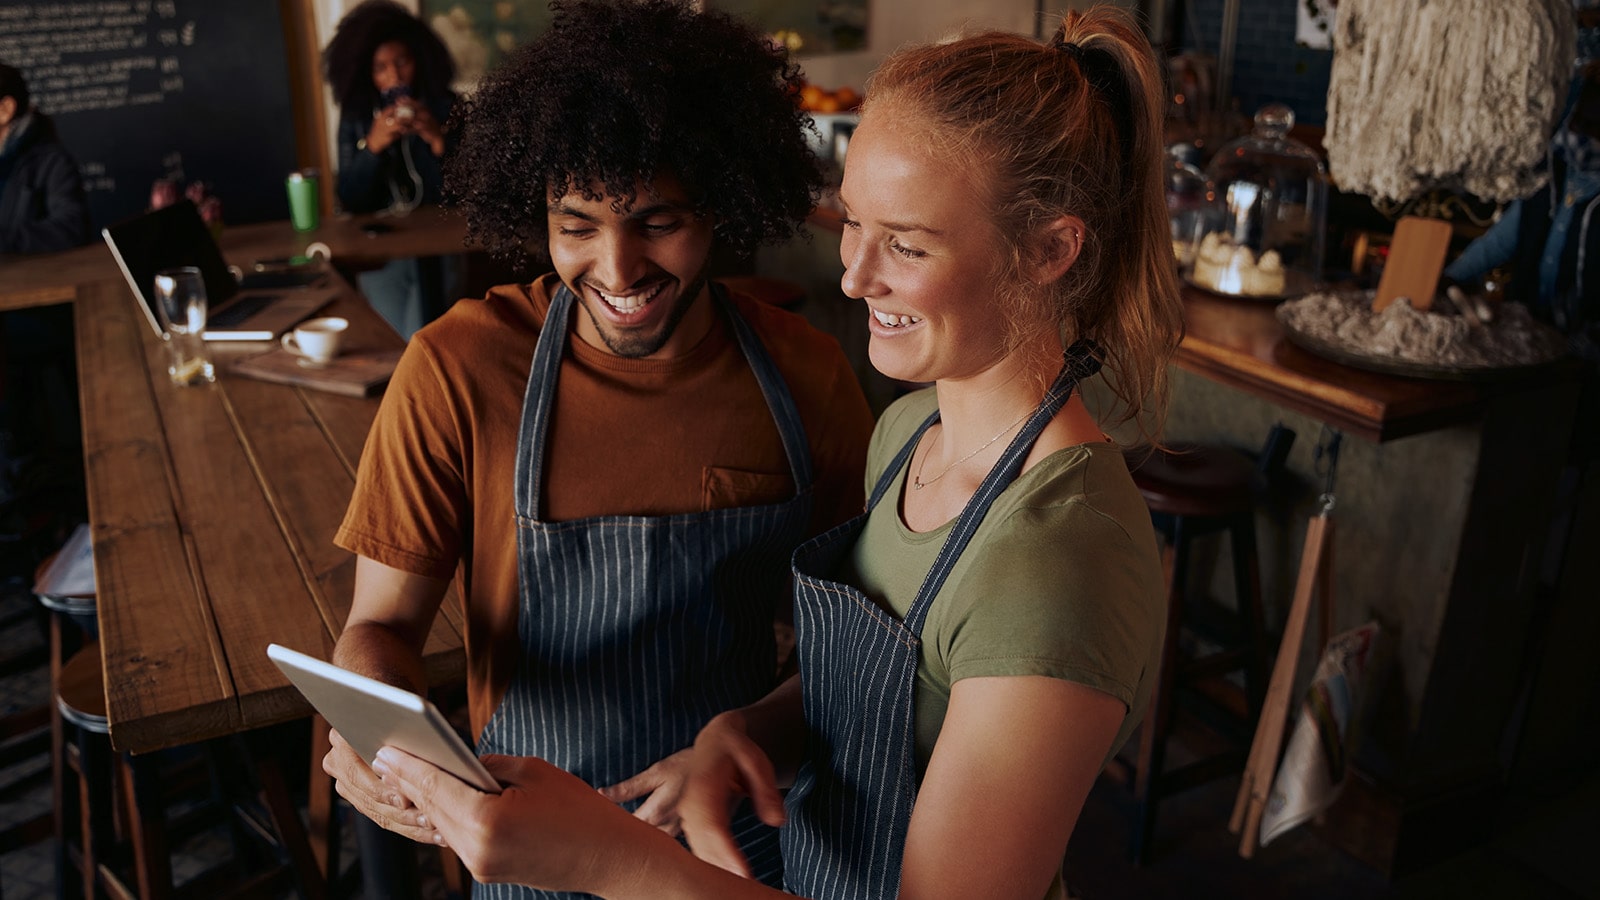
(181, 298)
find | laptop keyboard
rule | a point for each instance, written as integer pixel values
(240, 310)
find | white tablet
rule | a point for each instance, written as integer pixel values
(370, 715)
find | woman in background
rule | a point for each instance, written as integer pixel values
(391, 75)
(976, 646)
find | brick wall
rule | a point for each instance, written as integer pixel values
(1268, 65)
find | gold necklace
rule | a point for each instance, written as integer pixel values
(916, 480)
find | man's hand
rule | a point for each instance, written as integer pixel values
(664, 783)
(383, 804)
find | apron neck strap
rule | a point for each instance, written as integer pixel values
(1080, 363)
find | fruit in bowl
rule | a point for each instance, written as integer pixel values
(815, 98)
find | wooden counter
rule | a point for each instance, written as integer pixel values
(1239, 343)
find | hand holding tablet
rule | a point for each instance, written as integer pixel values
(370, 714)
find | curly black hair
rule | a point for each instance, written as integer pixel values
(621, 91)
(347, 60)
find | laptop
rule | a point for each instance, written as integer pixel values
(237, 311)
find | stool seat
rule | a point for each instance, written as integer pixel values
(1200, 481)
(81, 695)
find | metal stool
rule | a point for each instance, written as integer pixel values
(1195, 491)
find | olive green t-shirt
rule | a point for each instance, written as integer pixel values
(1062, 579)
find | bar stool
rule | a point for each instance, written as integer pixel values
(1194, 491)
(114, 836)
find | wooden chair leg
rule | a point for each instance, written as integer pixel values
(94, 793)
(152, 853)
(1157, 720)
(286, 820)
(322, 809)
(457, 883)
(1247, 593)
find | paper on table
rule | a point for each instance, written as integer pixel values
(71, 573)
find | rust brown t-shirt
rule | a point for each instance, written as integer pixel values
(434, 494)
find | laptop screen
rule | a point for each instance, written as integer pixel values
(166, 238)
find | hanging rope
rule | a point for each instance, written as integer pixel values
(1460, 94)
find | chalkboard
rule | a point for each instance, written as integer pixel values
(144, 89)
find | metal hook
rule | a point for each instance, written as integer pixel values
(1325, 462)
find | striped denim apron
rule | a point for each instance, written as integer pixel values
(635, 630)
(851, 802)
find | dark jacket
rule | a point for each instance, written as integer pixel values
(42, 203)
(369, 182)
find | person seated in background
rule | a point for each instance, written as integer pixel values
(43, 209)
(391, 77)
(977, 645)
(42, 203)
(616, 460)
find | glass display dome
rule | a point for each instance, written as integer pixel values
(1191, 203)
(1272, 199)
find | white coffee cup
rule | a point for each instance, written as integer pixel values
(317, 340)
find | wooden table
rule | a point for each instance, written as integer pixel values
(212, 511)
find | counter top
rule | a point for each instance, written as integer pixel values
(1239, 343)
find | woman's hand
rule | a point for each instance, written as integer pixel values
(381, 803)
(546, 827)
(388, 126)
(425, 126)
(664, 782)
(726, 765)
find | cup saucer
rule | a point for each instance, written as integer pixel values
(306, 362)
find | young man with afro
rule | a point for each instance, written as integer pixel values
(616, 461)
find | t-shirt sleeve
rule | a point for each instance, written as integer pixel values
(1061, 591)
(410, 508)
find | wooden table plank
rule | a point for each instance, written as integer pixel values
(171, 660)
(311, 499)
(46, 278)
